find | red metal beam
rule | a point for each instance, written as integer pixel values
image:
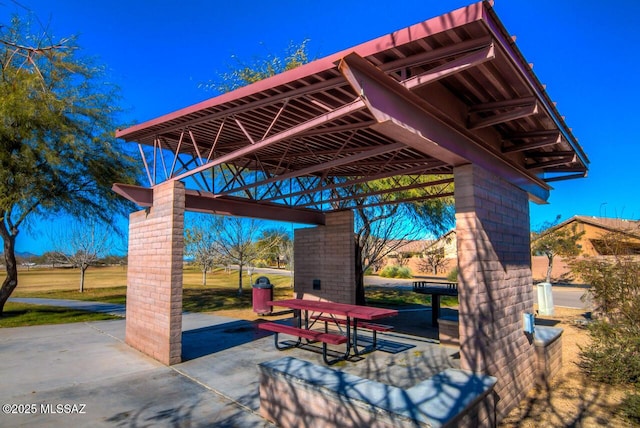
(291, 132)
(141, 196)
(543, 140)
(376, 151)
(208, 203)
(401, 201)
(422, 169)
(514, 114)
(212, 204)
(454, 66)
(406, 117)
(384, 192)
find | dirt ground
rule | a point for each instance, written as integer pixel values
(571, 400)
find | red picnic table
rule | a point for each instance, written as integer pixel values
(338, 313)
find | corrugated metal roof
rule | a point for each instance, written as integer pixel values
(313, 123)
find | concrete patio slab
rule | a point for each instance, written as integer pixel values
(89, 365)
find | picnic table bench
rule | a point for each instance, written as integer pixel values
(302, 333)
(351, 316)
(374, 327)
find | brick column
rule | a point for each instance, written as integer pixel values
(495, 284)
(154, 277)
(326, 254)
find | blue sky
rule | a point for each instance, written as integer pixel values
(586, 52)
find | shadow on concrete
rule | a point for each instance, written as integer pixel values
(200, 342)
(203, 341)
(415, 320)
(547, 322)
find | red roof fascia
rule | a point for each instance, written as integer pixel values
(498, 29)
(421, 30)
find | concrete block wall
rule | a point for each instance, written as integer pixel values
(548, 354)
(296, 393)
(154, 277)
(494, 282)
(449, 331)
(326, 253)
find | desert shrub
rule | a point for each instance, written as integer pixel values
(404, 272)
(396, 272)
(453, 275)
(614, 354)
(261, 263)
(630, 408)
(389, 271)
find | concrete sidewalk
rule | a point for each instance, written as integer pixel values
(88, 368)
(107, 308)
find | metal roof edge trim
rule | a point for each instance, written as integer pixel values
(434, 25)
(499, 30)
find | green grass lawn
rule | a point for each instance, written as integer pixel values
(382, 296)
(21, 315)
(106, 294)
(109, 285)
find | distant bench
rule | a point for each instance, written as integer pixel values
(299, 393)
(452, 286)
(311, 335)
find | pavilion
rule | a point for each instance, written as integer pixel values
(449, 97)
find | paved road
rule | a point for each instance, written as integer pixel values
(564, 296)
(568, 297)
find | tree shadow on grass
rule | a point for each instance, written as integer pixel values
(202, 300)
(19, 315)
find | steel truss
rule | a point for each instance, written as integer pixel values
(317, 138)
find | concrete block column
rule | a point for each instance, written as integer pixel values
(495, 284)
(154, 277)
(326, 254)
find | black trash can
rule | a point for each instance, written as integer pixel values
(262, 293)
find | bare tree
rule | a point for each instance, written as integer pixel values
(82, 244)
(271, 245)
(287, 252)
(237, 242)
(403, 257)
(380, 231)
(433, 260)
(202, 243)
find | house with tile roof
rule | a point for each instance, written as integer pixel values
(592, 242)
